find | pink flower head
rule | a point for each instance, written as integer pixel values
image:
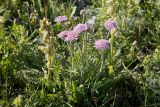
(61, 19)
(71, 36)
(110, 24)
(81, 28)
(63, 34)
(101, 44)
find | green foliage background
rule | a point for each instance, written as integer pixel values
(135, 81)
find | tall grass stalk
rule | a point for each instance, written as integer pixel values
(101, 66)
(102, 61)
(84, 53)
(70, 46)
(111, 52)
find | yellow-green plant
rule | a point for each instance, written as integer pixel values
(48, 48)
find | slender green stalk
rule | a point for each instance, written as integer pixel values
(49, 67)
(101, 68)
(111, 53)
(111, 44)
(102, 61)
(72, 63)
(71, 57)
(85, 44)
(84, 54)
(84, 48)
(103, 3)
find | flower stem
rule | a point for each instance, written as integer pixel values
(49, 63)
(101, 68)
(84, 54)
(112, 38)
(71, 56)
(102, 62)
(111, 53)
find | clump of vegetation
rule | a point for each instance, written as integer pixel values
(83, 53)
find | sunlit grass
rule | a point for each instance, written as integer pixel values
(92, 64)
